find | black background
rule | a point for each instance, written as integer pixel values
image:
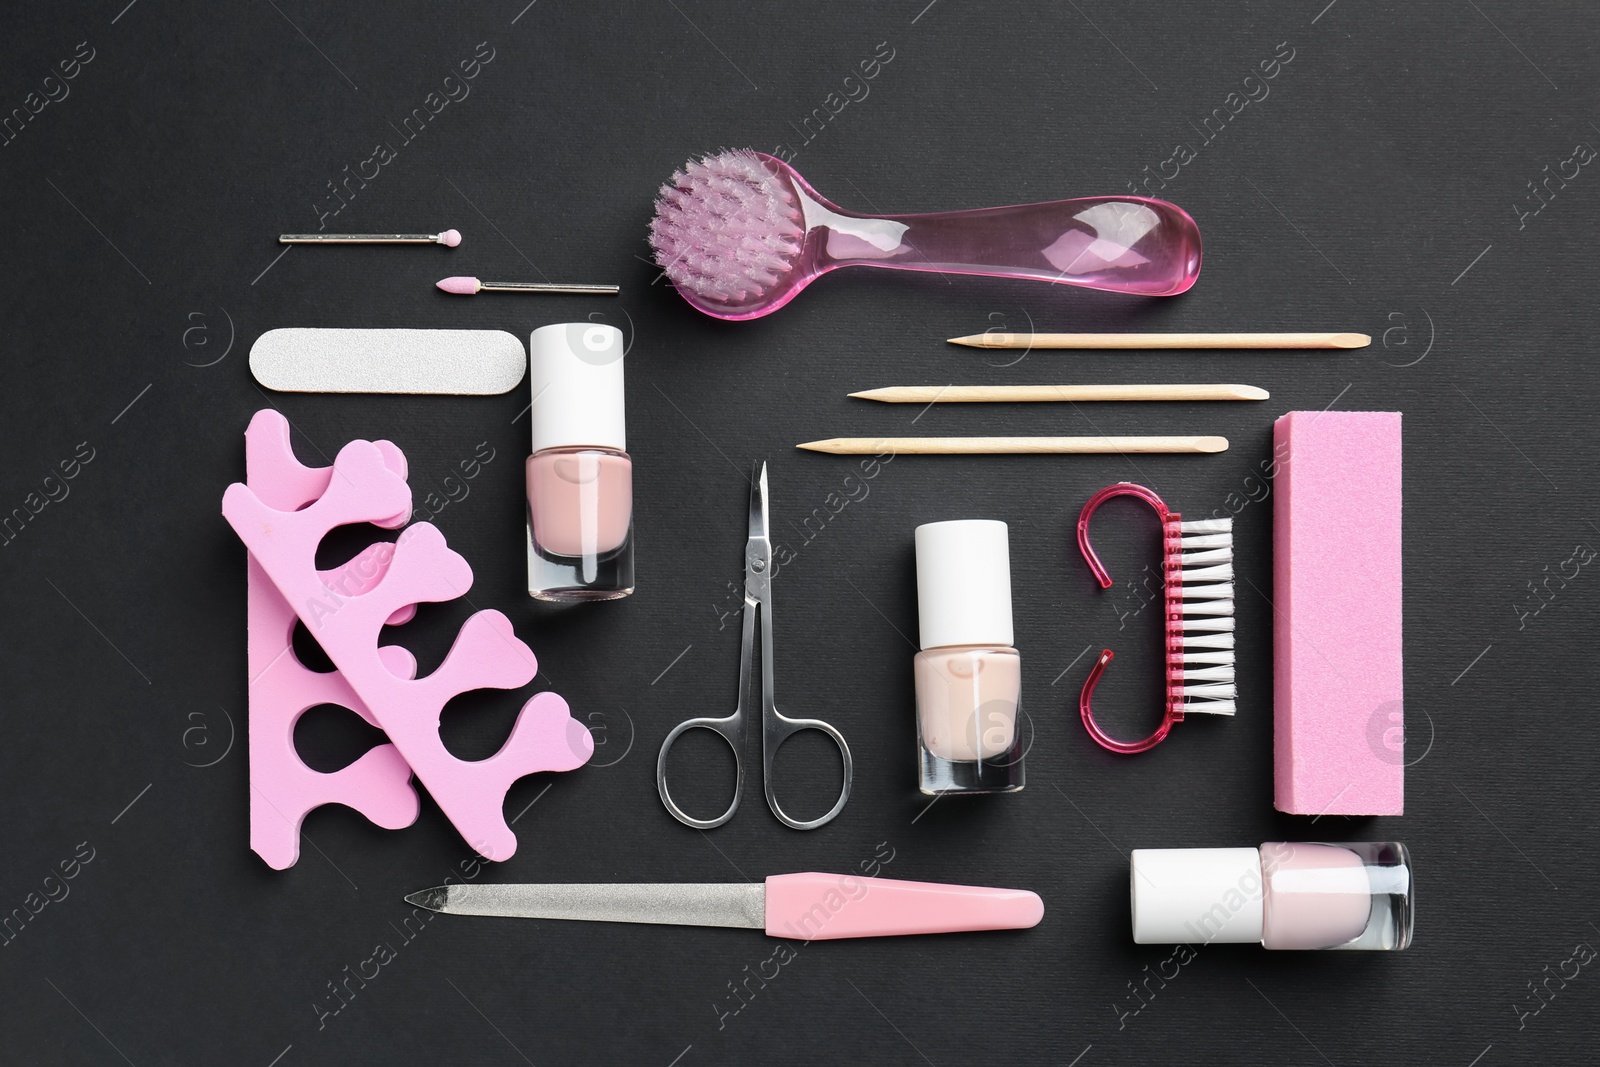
(1379, 187)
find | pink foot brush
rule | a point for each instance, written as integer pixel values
(741, 233)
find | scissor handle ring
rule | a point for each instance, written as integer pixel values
(720, 727)
(779, 729)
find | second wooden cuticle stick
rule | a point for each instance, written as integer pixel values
(1011, 394)
(996, 446)
(1148, 341)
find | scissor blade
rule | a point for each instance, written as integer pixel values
(758, 505)
(668, 903)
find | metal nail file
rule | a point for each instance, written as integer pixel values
(804, 907)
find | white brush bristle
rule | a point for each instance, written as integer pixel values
(727, 228)
(1206, 554)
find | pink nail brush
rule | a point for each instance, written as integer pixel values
(804, 907)
(741, 233)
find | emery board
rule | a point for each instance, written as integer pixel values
(458, 362)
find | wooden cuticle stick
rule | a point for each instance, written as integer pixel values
(1022, 394)
(1131, 341)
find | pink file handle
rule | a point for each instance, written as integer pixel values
(822, 907)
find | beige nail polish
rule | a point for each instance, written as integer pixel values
(580, 476)
(968, 677)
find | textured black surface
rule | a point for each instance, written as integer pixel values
(1379, 185)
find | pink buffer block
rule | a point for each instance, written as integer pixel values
(1338, 683)
(282, 788)
(347, 623)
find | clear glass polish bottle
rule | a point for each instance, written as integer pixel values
(1283, 895)
(968, 677)
(580, 476)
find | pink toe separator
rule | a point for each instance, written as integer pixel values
(282, 788)
(346, 618)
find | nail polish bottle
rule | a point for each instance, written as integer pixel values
(968, 677)
(1283, 895)
(580, 477)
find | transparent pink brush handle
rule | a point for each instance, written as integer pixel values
(1120, 244)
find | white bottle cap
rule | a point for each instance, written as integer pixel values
(1196, 895)
(575, 373)
(964, 583)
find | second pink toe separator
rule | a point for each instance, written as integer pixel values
(347, 624)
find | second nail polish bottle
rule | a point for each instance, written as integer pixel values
(580, 476)
(968, 677)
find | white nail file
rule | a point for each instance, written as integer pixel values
(459, 362)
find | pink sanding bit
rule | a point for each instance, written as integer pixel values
(449, 238)
(465, 285)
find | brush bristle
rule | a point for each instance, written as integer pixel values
(726, 228)
(1207, 584)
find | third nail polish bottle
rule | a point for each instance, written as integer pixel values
(968, 677)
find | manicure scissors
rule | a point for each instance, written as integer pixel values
(776, 727)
